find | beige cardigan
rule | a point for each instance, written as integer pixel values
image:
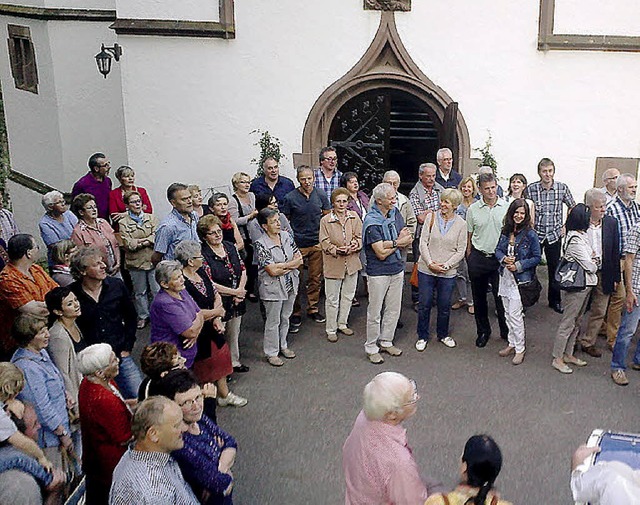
(333, 236)
(448, 249)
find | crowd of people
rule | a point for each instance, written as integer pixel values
(67, 333)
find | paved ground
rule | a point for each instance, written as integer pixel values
(291, 433)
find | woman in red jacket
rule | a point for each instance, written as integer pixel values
(105, 420)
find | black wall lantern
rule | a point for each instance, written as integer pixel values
(104, 57)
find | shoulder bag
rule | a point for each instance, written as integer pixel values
(570, 275)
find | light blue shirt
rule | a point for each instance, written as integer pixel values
(173, 230)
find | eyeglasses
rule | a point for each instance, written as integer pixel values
(415, 396)
(333, 158)
(107, 164)
(214, 232)
(342, 201)
(191, 403)
(198, 258)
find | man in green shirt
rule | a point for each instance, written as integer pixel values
(484, 223)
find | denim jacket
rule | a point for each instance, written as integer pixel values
(528, 254)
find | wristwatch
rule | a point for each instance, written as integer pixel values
(64, 433)
(395, 244)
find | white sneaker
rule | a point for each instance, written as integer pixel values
(232, 400)
(421, 345)
(448, 341)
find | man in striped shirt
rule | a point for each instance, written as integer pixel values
(548, 197)
(627, 211)
(147, 473)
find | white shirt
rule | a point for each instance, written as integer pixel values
(607, 483)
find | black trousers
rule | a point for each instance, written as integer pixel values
(482, 271)
(552, 253)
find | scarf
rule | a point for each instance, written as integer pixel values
(138, 219)
(388, 224)
(226, 223)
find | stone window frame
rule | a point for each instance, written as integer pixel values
(548, 41)
(22, 56)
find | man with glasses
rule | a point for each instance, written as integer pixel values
(181, 223)
(96, 183)
(446, 176)
(378, 464)
(609, 178)
(327, 176)
(23, 285)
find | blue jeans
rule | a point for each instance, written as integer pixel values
(129, 378)
(628, 326)
(438, 289)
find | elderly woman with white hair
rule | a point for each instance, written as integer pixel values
(105, 419)
(58, 221)
(377, 461)
(604, 236)
(384, 236)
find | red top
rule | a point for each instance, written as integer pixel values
(105, 422)
(116, 204)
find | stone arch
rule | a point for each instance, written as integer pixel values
(385, 64)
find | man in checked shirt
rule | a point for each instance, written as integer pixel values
(548, 197)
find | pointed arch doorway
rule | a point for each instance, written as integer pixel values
(385, 113)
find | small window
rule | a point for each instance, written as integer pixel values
(23, 58)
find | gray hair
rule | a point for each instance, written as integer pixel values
(453, 196)
(386, 393)
(485, 170)
(124, 171)
(187, 250)
(390, 174)
(80, 260)
(149, 413)
(94, 358)
(424, 166)
(165, 269)
(623, 181)
(49, 198)
(594, 195)
(608, 173)
(441, 152)
(484, 177)
(382, 190)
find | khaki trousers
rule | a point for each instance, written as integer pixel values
(597, 314)
(312, 257)
(614, 312)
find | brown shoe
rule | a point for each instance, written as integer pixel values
(459, 304)
(619, 377)
(518, 358)
(592, 351)
(332, 337)
(635, 366)
(346, 331)
(275, 361)
(506, 351)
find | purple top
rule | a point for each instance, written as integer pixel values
(100, 190)
(171, 317)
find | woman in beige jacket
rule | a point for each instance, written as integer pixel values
(341, 241)
(443, 243)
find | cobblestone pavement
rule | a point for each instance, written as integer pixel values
(290, 435)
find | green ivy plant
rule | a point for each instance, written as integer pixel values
(487, 159)
(270, 147)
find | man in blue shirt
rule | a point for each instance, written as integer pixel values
(384, 235)
(272, 183)
(181, 223)
(304, 207)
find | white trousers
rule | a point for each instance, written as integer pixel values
(515, 321)
(385, 292)
(339, 295)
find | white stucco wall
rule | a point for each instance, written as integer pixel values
(613, 17)
(190, 104)
(75, 113)
(190, 10)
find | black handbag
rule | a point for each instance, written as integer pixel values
(530, 292)
(570, 275)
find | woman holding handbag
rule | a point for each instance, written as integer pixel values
(518, 252)
(577, 249)
(443, 243)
